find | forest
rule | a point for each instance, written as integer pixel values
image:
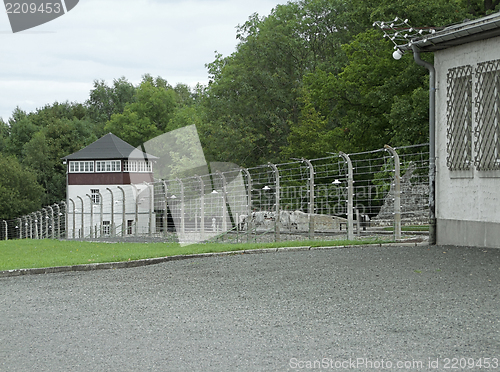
(312, 77)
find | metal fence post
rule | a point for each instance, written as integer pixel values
(397, 193)
(277, 184)
(350, 194)
(6, 230)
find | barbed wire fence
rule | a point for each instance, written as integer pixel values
(342, 196)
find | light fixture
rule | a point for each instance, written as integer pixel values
(266, 188)
(336, 182)
(214, 191)
(397, 54)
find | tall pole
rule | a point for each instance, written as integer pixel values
(74, 213)
(397, 193)
(311, 197)
(202, 207)
(112, 212)
(91, 216)
(277, 184)
(350, 193)
(82, 223)
(123, 211)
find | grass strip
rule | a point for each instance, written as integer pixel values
(28, 254)
(410, 228)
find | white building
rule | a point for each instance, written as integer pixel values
(109, 190)
(467, 130)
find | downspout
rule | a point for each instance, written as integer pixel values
(432, 142)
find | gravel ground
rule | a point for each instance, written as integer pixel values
(328, 309)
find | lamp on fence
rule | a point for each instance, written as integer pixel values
(214, 191)
(336, 182)
(266, 188)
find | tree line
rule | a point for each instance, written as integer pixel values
(313, 76)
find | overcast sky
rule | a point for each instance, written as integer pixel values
(108, 39)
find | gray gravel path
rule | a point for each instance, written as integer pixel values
(280, 311)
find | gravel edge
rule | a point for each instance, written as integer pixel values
(157, 260)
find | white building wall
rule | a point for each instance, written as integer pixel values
(138, 201)
(467, 202)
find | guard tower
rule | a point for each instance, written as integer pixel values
(109, 190)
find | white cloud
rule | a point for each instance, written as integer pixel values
(108, 39)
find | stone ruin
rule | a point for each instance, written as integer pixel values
(294, 221)
(414, 202)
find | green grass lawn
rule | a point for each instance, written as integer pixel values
(27, 253)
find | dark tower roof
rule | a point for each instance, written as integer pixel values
(109, 147)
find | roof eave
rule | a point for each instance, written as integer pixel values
(481, 29)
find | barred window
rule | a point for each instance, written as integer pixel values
(81, 166)
(108, 166)
(137, 166)
(459, 118)
(487, 130)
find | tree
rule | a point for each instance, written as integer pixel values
(148, 116)
(19, 192)
(251, 100)
(104, 100)
(43, 153)
(21, 131)
(131, 127)
(4, 135)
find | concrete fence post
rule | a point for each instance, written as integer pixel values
(350, 194)
(311, 198)
(91, 216)
(52, 234)
(151, 188)
(74, 220)
(165, 216)
(124, 222)
(6, 230)
(397, 192)
(136, 209)
(183, 221)
(39, 217)
(112, 232)
(20, 227)
(82, 232)
(59, 214)
(277, 184)
(202, 207)
(224, 201)
(101, 204)
(249, 197)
